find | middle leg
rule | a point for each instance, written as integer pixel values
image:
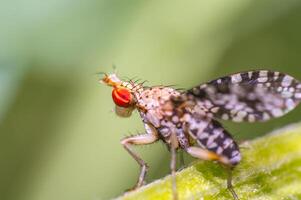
(173, 166)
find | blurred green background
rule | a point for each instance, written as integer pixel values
(59, 138)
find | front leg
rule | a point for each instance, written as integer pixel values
(150, 137)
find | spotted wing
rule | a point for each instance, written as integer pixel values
(248, 96)
(210, 135)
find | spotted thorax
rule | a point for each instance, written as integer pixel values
(188, 119)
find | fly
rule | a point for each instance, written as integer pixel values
(177, 117)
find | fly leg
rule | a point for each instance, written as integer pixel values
(148, 138)
(229, 184)
(181, 160)
(173, 165)
(203, 154)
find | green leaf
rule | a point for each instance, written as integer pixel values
(270, 169)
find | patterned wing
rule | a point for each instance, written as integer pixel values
(248, 96)
(210, 135)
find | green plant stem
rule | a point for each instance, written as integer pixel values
(270, 169)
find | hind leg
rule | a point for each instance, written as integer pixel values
(203, 154)
(229, 184)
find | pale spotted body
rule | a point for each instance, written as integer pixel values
(153, 100)
(167, 116)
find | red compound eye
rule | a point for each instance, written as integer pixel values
(122, 97)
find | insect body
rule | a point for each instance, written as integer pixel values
(176, 117)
